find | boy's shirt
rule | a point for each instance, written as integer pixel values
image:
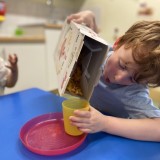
(123, 101)
(4, 71)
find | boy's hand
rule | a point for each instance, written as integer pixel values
(88, 121)
(85, 17)
(13, 59)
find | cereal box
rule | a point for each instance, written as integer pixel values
(79, 56)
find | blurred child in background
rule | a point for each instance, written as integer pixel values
(8, 72)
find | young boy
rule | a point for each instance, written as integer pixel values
(8, 73)
(122, 92)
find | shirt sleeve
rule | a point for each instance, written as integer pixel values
(139, 104)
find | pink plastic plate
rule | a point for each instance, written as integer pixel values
(45, 135)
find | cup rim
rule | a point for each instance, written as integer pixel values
(85, 101)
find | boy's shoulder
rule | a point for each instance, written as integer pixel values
(136, 90)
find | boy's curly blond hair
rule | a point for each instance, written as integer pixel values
(144, 40)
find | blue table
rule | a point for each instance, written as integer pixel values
(16, 109)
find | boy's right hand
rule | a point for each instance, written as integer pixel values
(85, 17)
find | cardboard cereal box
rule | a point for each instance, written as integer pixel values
(79, 56)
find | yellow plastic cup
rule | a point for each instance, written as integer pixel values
(69, 106)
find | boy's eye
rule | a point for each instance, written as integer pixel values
(122, 66)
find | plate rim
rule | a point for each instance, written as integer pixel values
(48, 152)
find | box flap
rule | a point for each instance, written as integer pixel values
(94, 54)
(90, 33)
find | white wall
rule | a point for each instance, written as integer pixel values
(111, 14)
(7, 28)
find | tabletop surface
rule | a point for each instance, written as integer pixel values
(18, 108)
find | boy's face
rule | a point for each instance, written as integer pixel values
(120, 67)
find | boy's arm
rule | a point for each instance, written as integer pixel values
(139, 129)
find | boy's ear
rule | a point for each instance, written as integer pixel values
(116, 43)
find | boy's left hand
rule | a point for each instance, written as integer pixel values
(88, 121)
